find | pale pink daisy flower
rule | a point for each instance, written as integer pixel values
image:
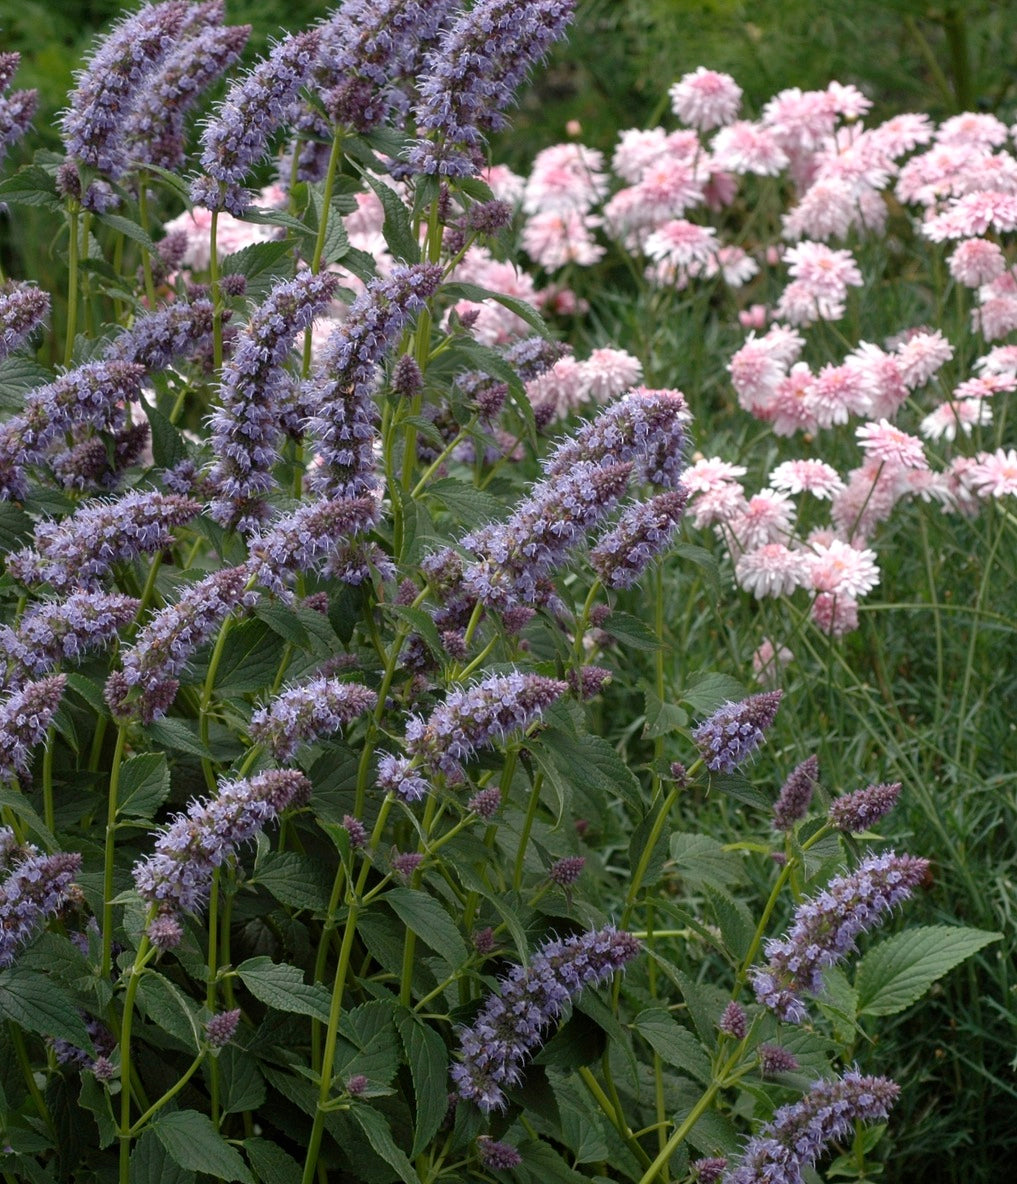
(976, 261)
(637, 149)
(927, 179)
(996, 315)
(973, 128)
(707, 474)
(848, 101)
(904, 132)
(973, 214)
(746, 147)
(504, 183)
(843, 570)
(994, 474)
(769, 660)
(996, 171)
(800, 304)
(670, 186)
(735, 265)
(827, 210)
(609, 373)
(921, 356)
(1000, 360)
(838, 393)
(789, 409)
(766, 517)
(854, 155)
(926, 485)
(834, 615)
(565, 177)
(883, 384)
(807, 476)
(962, 496)
(830, 273)
(986, 386)
(705, 99)
(771, 570)
(951, 417)
(799, 119)
(682, 244)
(868, 498)
(884, 442)
(717, 506)
(555, 238)
(560, 390)
(755, 369)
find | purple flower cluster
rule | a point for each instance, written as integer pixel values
(399, 775)
(16, 109)
(25, 715)
(166, 643)
(795, 795)
(255, 107)
(342, 392)
(303, 714)
(92, 395)
(97, 462)
(647, 427)
(734, 1021)
(80, 550)
(512, 1022)
(824, 930)
(475, 717)
(517, 556)
(858, 811)
(221, 1028)
(471, 77)
(154, 131)
(22, 307)
(173, 331)
(799, 1133)
(246, 427)
(304, 540)
(735, 731)
(643, 532)
(177, 877)
(93, 123)
(773, 1060)
(497, 1157)
(34, 888)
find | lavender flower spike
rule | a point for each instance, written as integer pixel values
(512, 1021)
(303, 714)
(22, 307)
(477, 716)
(796, 793)
(237, 135)
(735, 730)
(93, 121)
(156, 338)
(24, 718)
(824, 930)
(63, 630)
(342, 393)
(36, 888)
(855, 812)
(178, 875)
(246, 428)
(472, 76)
(644, 531)
(17, 109)
(799, 1133)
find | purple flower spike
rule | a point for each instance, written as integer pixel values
(16, 109)
(178, 876)
(773, 1060)
(709, 1169)
(644, 531)
(734, 1021)
(477, 716)
(65, 630)
(156, 338)
(824, 930)
(35, 888)
(221, 1028)
(512, 1022)
(247, 427)
(301, 715)
(25, 717)
(399, 775)
(735, 731)
(799, 1133)
(793, 800)
(564, 872)
(860, 810)
(237, 134)
(472, 76)
(22, 307)
(497, 1157)
(113, 78)
(342, 392)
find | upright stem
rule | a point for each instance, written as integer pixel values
(146, 260)
(140, 960)
(72, 280)
(111, 829)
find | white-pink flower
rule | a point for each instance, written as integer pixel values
(565, 177)
(843, 570)
(972, 127)
(746, 147)
(976, 261)
(834, 615)
(609, 373)
(766, 517)
(769, 660)
(953, 416)
(994, 474)
(705, 99)
(681, 243)
(638, 148)
(555, 238)
(885, 442)
(771, 570)
(807, 476)
(921, 356)
(710, 473)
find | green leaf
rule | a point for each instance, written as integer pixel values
(151, 1163)
(702, 860)
(707, 691)
(250, 659)
(270, 217)
(95, 1098)
(282, 619)
(271, 1164)
(279, 985)
(471, 506)
(734, 919)
(37, 1004)
(178, 736)
(294, 880)
(421, 622)
(674, 1044)
(31, 186)
(144, 784)
(15, 527)
(632, 631)
(17, 375)
(590, 762)
(427, 1057)
(525, 312)
(662, 718)
(901, 969)
(168, 447)
(192, 1141)
(127, 228)
(376, 1128)
(371, 1043)
(425, 917)
(397, 229)
(243, 1087)
(258, 261)
(170, 1009)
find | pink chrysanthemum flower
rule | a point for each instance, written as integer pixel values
(565, 177)
(973, 214)
(682, 244)
(555, 238)
(843, 570)
(921, 356)
(827, 272)
(828, 209)
(985, 386)
(706, 475)
(903, 132)
(735, 265)
(767, 517)
(926, 179)
(807, 476)
(882, 380)
(717, 506)
(1001, 360)
(994, 474)
(504, 183)
(868, 498)
(609, 373)
(745, 147)
(790, 408)
(838, 393)
(801, 120)
(976, 261)
(771, 570)
(769, 660)
(972, 128)
(950, 417)
(996, 315)
(834, 615)
(884, 442)
(670, 186)
(705, 99)
(638, 149)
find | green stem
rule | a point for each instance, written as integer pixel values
(524, 834)
(146, 259)
(72, 280)
(659, 1165)
(140, 960)
(647, 855)
(206, 699)
(18, 1040)
(47, 779)
(614, 1117)
(111, 829)
(168, 1096)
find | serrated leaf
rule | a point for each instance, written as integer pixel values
(706, 692)
(250, 659)
(31, 186)
(476, 294)
(271, 1164)
(95, 1098)
(427, 1057)
(428, 920)
(192, 1141)
(734, 919)
(675, 1045)
(898, 971)
(662, 717)
(178, 736)
(144, 785)
(17, 375)
(279, 985)
(471, 506)
(336, 242)
(169, 1009)
(243, 1087)
(379, 1135)
(294, 880)
(702, 860)
(151, 1163)
(269, 217)
(168, 447)
(422, 622)
(590, 762)
(90, 691)
(396, 228)
(624, 627)
(37, 1004)
(371, 1043)
(127, 228)
(15, 527)
(281, 619)
(259, 259)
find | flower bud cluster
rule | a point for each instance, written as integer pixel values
(34, 888)
(303, 714)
